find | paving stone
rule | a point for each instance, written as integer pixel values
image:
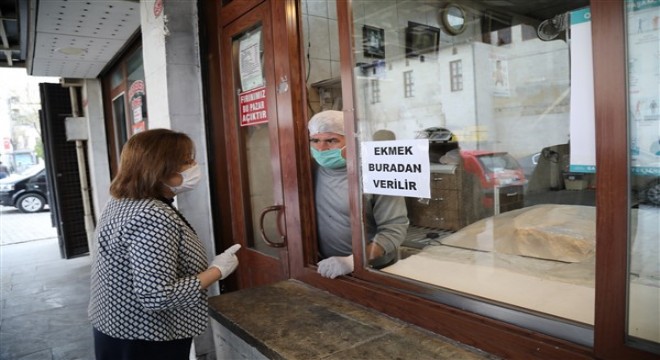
(44, 297)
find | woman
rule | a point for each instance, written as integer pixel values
(149, 268)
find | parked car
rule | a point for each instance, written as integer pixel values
(499, 170)
(26, 190)
(493, 168)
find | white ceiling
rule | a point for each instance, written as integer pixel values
(99, 29)
(77, 38)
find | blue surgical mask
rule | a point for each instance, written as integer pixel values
(331, 159)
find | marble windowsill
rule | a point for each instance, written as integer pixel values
(292, 320)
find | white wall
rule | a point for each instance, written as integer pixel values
(97, 146)
(170, 45)
(320, 45)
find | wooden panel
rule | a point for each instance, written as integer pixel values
(511, 198)
(441, 212)
(212, 80)
(445, 181)
(446, 199)
(612, 196)
(234, 9)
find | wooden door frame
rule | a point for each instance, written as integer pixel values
(613, 201)
(110, 93)
(283, 138)
(217, 153)
(296, 179)
(294, 144)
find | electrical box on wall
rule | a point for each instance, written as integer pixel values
(329, 91)
(76, 128)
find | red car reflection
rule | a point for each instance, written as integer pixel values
(494, 169)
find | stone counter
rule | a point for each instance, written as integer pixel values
(292, 320)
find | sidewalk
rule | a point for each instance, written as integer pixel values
(44, 297)
(16, 227)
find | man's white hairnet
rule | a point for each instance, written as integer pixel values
(329, 121)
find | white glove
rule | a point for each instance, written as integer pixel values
(226, 262)
(335, 266)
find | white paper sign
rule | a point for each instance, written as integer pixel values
(583, 118)
(398, 167)
(249, 62)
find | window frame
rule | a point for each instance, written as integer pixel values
(396, 297)
(408, 84)
(375, 91)
(456, 75)
(612, 149)
(110, 94)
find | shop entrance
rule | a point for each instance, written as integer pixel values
(257, 121)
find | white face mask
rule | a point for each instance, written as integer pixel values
(191, 177)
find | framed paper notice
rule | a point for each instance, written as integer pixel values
(249, 61)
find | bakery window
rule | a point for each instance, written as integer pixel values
(507, 225)
(502, 211)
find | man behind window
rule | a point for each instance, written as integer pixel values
(386, 218)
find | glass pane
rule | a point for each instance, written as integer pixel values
(643, 41)
(116, 78)
(501, 205)
(135, 66)
(119, 119)
(248, 60)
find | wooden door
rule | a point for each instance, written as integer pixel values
(250, 94)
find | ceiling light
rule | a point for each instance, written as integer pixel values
(73, 51)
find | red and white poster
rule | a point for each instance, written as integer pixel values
(136, 94)
(139, 127)
(158, 8)
(252, 107)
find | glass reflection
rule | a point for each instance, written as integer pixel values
(643, 35)
(511, 212)
(506, 112)
(248, 63)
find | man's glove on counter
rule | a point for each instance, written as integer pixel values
(227, 262)
(335, 266)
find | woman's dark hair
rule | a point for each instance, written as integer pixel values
(147, 159)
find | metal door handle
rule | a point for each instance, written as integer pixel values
(279, 230)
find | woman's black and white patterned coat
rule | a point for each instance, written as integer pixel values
(144, 283)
